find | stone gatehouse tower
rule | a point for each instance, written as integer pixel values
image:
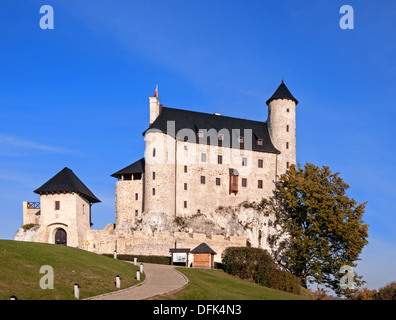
(63, 215)
(196, 162)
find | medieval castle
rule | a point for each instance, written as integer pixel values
(195, 166)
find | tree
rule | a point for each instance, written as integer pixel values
(324, 226)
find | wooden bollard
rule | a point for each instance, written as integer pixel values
(118, 282)
(77, 291)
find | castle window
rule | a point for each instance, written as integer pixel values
(217, 181)
(185, 204)
(244, 162)
(153, 152)
(185, 186)
(136, 196)
(136, 213)
(260, 163)
(202, 179)
(244, 182)
(287, 165)
(220, 159)
(127, 176)
(287, 145)
(199, 211)
(137, 176)
(153, 175)
(260, 142)
(287, 128)
(57, 205)
(287, 110)
(203, 157)
(233, 182)
(240, 139)
(185, 169)
(260, 184)
(153, 191)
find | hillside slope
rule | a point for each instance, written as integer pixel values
(20, 264)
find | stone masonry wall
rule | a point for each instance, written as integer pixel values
(159, 243)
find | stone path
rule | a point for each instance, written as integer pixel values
(160, 279)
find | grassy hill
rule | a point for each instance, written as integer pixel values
(20, 264)
(209, 284)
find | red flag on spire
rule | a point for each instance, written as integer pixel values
(156, 92)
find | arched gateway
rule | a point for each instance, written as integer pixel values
(61, 237)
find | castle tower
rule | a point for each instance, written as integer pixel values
(282, 126)
(65, 215)
(155, 106)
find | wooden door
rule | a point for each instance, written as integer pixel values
(61, 237)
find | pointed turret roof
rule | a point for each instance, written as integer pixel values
(67, 181)
(282, 93)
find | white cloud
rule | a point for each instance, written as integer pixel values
(10, 145)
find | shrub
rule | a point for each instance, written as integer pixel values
(258, 265)
(244, 262)
(363, 294)
(146, 259)
(388, 292)
(28, 226)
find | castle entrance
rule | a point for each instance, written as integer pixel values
(61, 237)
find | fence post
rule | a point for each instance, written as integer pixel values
(118, 281)
(77, 291)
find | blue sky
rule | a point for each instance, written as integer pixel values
(77, 96)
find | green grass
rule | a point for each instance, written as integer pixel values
(209, 284)
(20, 264)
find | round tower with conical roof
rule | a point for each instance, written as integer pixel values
(282, 126)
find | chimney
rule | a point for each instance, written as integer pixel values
(155, 108)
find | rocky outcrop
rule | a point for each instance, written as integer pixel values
(27, 234)
(248, 219)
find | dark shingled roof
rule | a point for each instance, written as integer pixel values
(135, 167)
(282, 93)
(196, 121)
(203, 248)
(66, 181)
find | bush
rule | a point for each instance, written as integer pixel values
(146, 259)
(244, 262)
(363, 294)
(258, 265)
(29, 226)
(388, 292)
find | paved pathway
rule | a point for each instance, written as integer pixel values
(160, 279)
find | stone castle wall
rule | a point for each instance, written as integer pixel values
(158, 243)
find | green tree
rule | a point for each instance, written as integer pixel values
(324, 226)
